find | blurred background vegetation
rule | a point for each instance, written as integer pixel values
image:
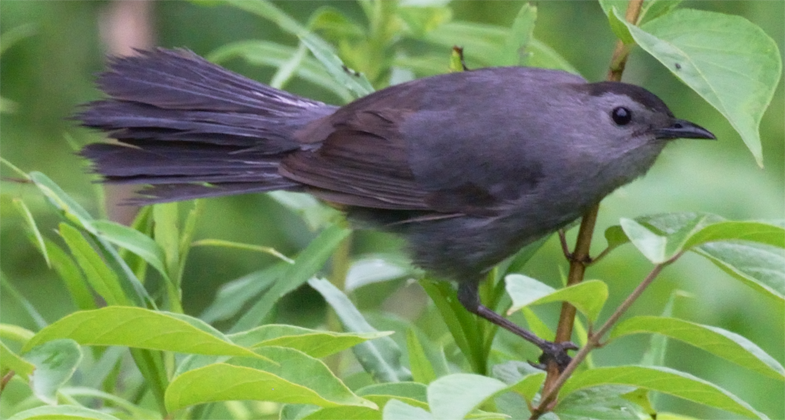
(47, 73)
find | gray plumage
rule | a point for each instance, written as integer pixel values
(468, 167)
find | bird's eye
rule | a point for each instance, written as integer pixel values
(621, 115)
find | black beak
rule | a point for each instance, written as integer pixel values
(681, 129)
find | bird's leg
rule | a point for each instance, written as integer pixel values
(469, 297)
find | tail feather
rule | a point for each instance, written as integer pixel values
(183, 122)
(166, 193)
(165, 163)
(180, 79)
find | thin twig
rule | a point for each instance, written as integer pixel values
(7, 378)
(564, 247)
(577, 269)
(580, 257)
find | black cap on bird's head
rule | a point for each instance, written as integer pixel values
(655, 115)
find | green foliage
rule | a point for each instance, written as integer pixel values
(234, 354)
(727, 60)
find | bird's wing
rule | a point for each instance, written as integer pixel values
(426, 145)
(365, 162)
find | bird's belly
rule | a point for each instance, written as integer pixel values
(463, 248)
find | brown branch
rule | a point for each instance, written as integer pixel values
(7, 378)
(580, 258)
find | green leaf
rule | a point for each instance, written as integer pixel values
(11, 361)
(455, 396)
(132, 240)
(658, 344)
(397, 410)
(763, 233)
(246, 247)
(103, 280)
(311, 342)
(640, 397)
(30, 222)
(660, 249)
(375, 269)
(18, 33)
(316, 214)
(55, 362)
(188, 232)
(480, 41)
(310, 260)
(662, 415)
(650, 9)
(15, 333)
(62, 412)
(288, 69)
(232, 296)
(618, 25)
(543, 56)
(72, 277)
(71, 209)
(729, 61)
(759, 266)
(615, 237)
(424, 3)
(600, 403)
(722, 343)
(519, 36)
(457, 62)
(421, 20)
(381, 357)
(409, 392)
(346, 412)
(356, 82)
(661, 379)
(140, 328)
(265, 53)
(7, 106)
(20, 173)
(134, 411)
(588, 296)
(334, 25)
(29, 308)
(608, 5)
(423, 65)
(294, 377)
(422, 371)
(655, 8)
(461, 324)
(537, 325)
(529, 385)
(167, 235)
(267, 10)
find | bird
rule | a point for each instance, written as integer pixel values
(467, 167)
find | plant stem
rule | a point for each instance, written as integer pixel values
(341, 261)
(579, 258)
(7, 378)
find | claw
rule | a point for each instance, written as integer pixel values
(557, 353)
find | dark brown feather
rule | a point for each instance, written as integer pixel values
(362, 162)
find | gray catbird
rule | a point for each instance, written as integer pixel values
(467, 167)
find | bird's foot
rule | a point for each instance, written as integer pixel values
(555, 352)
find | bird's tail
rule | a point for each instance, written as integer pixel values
(192, 129)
